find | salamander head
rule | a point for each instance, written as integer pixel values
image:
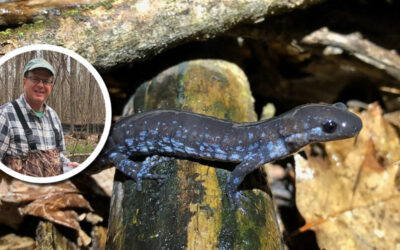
(322, 122)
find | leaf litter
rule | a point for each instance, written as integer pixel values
(350, 197)
(58, 203)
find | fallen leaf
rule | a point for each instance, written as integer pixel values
(12, 190)
(350, 198)
(53, 202)
(58, 209)
(393, 117)
(105, 180)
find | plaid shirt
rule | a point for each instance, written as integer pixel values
(12, 135)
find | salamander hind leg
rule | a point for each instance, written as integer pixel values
(235, 196)
(147, 164)
(137, 170)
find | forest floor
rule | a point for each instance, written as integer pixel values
(80, 144)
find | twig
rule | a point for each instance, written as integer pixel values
(364, 50)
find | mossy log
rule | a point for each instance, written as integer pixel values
(189, 209)
(109, 32)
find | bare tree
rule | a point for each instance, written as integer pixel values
(4, 79)
(18, 77)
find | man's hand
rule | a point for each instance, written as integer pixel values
(73, 164)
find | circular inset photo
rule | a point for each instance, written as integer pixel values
(55, 113)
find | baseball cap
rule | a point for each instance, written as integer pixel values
(39, 63)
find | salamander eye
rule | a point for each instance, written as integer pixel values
(329, 126)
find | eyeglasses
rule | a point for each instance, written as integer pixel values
(37, 80)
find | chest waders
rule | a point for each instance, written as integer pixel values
(38, 163)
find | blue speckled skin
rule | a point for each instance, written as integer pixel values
(189, 135)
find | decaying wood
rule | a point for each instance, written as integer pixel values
(124, 31)
(17, 12)
(366, 51)
(12, 241)
(48, 236)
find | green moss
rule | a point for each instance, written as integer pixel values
(107, 4)
(36, 26)
(23, 30)
(5, 35)
(48, 40)
(72, 12)
(76, 14)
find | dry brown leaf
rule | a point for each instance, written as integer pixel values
(58, 209)
(105, 180)
(394, 118)
(351, 198)
(53, 202)
(12, 190)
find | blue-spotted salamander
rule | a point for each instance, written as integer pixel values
(159, 133)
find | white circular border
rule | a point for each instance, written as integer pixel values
(107, 124)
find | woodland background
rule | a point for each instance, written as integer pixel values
(76, 96)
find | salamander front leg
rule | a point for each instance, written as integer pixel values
(147, 165)
(248, 165)
(137, 170)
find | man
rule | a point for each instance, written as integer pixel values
(31, 137)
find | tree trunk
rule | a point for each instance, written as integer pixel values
(6, 83)
(73, 83)
(18, 78)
